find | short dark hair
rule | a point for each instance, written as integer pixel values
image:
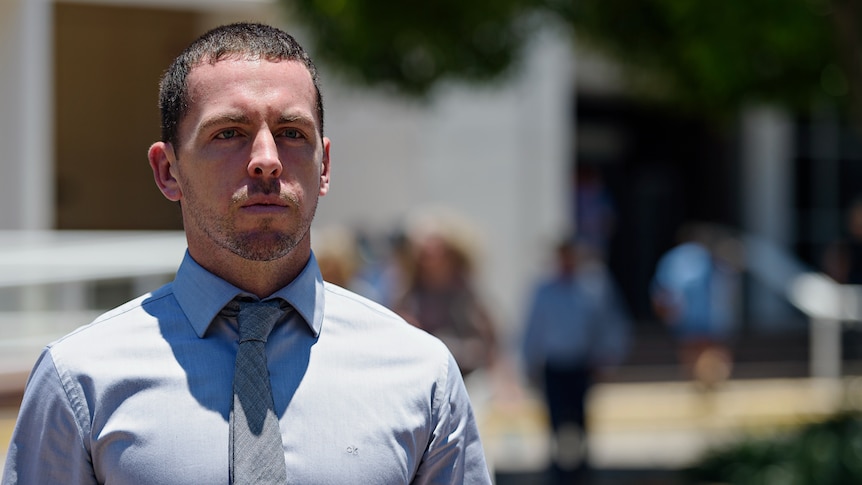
(238, 40)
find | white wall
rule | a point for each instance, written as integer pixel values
(499, 155)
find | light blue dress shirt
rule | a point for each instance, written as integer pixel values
(576, 321)
(700, 290)
(142, 395)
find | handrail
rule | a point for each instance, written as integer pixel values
(48, 257)
(827, 304)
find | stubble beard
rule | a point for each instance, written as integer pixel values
(262, 244)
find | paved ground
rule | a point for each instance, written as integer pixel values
(7, 422)
(641, 432)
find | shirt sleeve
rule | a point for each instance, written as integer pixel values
(454, 453)
(48, 443)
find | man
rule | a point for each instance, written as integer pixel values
(146, 395)
(576, 326)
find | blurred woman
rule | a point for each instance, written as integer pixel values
(440, 296)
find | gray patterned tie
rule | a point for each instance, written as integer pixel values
(256, 450)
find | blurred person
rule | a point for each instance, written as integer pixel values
(577, 326)
(343, 261)
(247, 368)
(693, 292)
(595, 210)
(842, 260)
(440, 296)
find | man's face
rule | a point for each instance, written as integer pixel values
(251, 162)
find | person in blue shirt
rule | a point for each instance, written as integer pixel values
(693, 292)
(577, 325)
(143, 394)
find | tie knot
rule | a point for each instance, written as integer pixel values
(257, 318)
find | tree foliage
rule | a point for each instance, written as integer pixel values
(411, 45)
(820, 453)
(711, 55)
(716, 54)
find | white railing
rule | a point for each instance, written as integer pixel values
(51, 257)
(45, 276)
(828, 305)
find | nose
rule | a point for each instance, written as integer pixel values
(264, 160)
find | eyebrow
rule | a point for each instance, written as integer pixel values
(225, 119)
(296, 118)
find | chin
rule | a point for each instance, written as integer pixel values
(268, 246)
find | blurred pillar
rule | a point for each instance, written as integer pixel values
(825, 222)
(27, 144)
(825, 348)
(767, 171)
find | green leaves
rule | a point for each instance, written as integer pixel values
(710, 56)
(411, 44)
(824, 453)
(715, 55)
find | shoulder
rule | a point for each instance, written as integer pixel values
(128, 322)
(152, 303)
(370, 322)
(341, 296)
(343, 304)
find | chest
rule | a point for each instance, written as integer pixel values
(350, 423)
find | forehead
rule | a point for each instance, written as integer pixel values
(250, 84)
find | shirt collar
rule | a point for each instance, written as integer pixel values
(202, 295)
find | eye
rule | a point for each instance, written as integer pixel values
(226, 134)
(291, 133)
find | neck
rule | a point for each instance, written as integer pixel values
(260, 278)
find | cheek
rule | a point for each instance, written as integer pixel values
(210, 191)
(303, 171)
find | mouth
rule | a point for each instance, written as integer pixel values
(264, 205)
(264, 199)
(263, 210)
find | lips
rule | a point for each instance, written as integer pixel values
(265, 201)
(264, 205)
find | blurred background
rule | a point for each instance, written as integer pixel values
(704, 157)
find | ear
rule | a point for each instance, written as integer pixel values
(162, 161)
(324, 169)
